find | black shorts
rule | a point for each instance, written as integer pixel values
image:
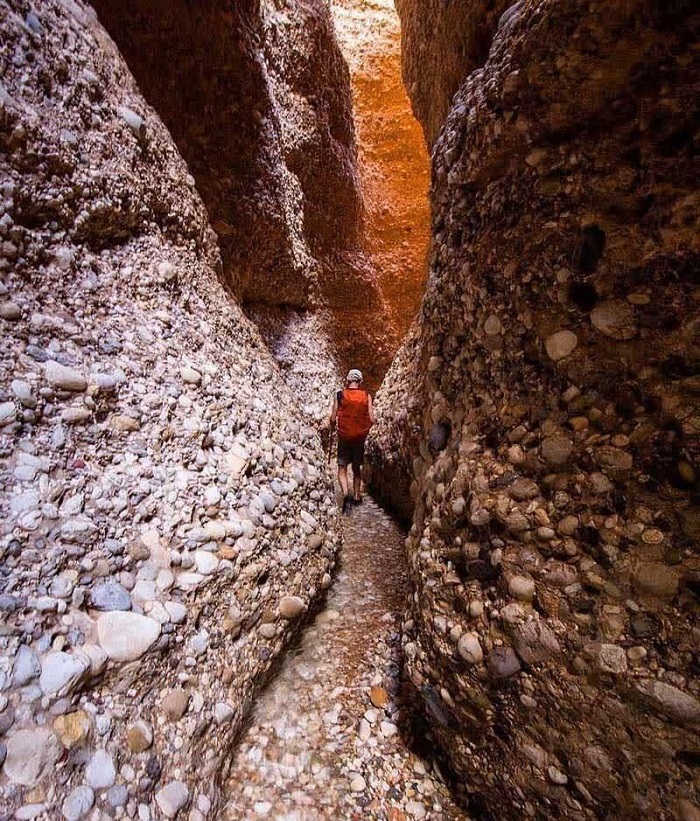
(351, 453)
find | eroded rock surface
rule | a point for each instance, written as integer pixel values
(541, 420)
(161, 492)
(257, 98)
(441, 43)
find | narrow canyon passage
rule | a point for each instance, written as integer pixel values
(393, 161)
(324, 740)
(198, 237)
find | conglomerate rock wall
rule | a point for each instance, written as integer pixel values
(166, 518)
(541, 421)
(442, 42)
(257, 97)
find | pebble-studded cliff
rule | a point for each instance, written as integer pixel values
(541, 421)
(166, 518)
(256, 95)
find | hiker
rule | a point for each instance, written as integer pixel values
(352, 409)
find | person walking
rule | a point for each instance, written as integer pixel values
(352, 411)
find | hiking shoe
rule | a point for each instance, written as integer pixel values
(347, 505)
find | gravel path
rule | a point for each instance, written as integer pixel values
(323, 741)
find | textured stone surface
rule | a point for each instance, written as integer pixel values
(31, 756)
(565, 206)
(126, 636)
(441, 43)
(281, 188)
(107, 256)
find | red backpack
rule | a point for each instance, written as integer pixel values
(353, 415)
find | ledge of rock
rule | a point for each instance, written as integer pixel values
(155, 467)
(543, 418)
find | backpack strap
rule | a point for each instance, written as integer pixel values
(339, 397)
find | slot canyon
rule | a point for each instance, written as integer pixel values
(208, 213)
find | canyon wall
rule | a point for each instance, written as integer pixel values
(435, 66)
(166, 518)
(257, 98)
(541, 421)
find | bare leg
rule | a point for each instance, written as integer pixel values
(343, 479)
(357, 481)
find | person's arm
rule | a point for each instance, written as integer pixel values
(334, 412)
(370, 408)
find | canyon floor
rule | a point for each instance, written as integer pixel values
(326, 740)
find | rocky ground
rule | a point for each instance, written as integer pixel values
(328, 739)
(166, 512)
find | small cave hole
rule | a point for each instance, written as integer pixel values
(589, 249)
(583, 295)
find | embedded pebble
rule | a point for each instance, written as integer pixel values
(78, 803)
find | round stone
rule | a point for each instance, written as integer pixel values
(557, 776)
(78, 803)
(139, 737)
(521, 588)
(614, 459)
(100, 771)
(523, 489)
(10, 311)
(8, 413)
(291, 607)
(172, 798)
(223, 713)
(60, 376)
(31, 756)
(174, 704)
(556, 450)
(110, 596)
(493, 326)
(568, 525)
(358, 783)
(503, 662)
(614, 319)
(126, 636)
(191, 376)
(62, 672)
(561, 344)
(469, 648)
(656, 579)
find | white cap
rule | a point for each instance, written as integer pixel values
(354, 375)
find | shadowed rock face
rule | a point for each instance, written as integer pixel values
(543, 414)
(257, 98)
(441, 43)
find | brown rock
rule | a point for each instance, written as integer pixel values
(656, 580)
(139, 737)
(123, 423)
(556, 450)
(174, 704)
(72, 728)
(379, 697)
